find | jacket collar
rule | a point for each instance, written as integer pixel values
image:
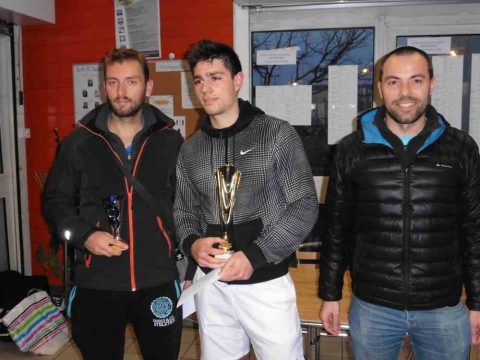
(375, 131)
(247, 112)
(154, 119)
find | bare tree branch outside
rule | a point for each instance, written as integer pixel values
(317, 50)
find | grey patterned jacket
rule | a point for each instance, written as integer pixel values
(276, 206)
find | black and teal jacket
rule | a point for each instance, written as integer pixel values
(404, 219)
(86, 171)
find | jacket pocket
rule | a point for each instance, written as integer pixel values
(165, 234)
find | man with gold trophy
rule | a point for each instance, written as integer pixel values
(245, 200)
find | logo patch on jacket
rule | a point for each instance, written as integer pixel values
(444, 166)
(162, 309)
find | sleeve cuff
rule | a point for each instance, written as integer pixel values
(255, 256)
(187, 244)
(472, 305)
(78, 241)
(192, 267)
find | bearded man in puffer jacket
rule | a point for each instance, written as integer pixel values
(404, 215)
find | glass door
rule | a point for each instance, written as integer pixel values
(10, 240)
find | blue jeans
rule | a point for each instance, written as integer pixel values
(377, 332)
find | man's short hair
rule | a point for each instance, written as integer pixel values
(208, 50)
(407, 50)
(123, 54)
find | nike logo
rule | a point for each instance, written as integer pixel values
(444, 166)
(243, 152)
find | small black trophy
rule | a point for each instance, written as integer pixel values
(113, 209)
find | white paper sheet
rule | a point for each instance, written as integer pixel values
(287, 102)
(282, 56)
(198, 286)
(137, 25)
(188, 306)
(171, 65)
(189, 99)
(447, 93)
(86, 88)
(474, 122)
(342, 100)
(164, 103)
(432, 44)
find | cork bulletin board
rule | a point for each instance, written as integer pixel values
(169, 83)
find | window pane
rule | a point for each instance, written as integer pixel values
(465, 45)
(317, 50)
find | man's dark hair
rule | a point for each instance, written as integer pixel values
(208, 50)
(406, 50)
(123, 54)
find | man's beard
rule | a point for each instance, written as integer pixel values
(135, 109)
(395, 116)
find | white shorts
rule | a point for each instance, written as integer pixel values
(265, 314)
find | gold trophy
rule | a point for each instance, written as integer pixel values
(227, 180)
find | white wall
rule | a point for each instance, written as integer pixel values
(26, 12)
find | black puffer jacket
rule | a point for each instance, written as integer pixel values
(405, 219)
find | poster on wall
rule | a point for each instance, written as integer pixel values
(137, 25)
(86, 88)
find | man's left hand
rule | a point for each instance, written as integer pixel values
(475, 326)
(238, 267)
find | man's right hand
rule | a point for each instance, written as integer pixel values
(103, 243)
(330, 316)
(204, 253)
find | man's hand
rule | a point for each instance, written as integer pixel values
(204, 253)
(187, 284)
(330, 316)
(103, 243)
(238, 267)
(475, 326)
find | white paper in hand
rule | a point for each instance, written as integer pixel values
(198, 286)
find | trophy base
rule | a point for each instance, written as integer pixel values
(115, 247)
(225, 256)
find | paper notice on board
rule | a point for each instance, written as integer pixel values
(86, 88)
(474, 121)
(432, 44)
(137, 25)
(164, 103)
(189, 99)
(342, 100)
(286, 102)
(447, 93)
(282, 56)
(171, 65)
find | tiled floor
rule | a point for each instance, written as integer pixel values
(332, 348)
(189, 350)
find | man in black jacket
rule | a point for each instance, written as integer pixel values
(404, 215)
(116, 171)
